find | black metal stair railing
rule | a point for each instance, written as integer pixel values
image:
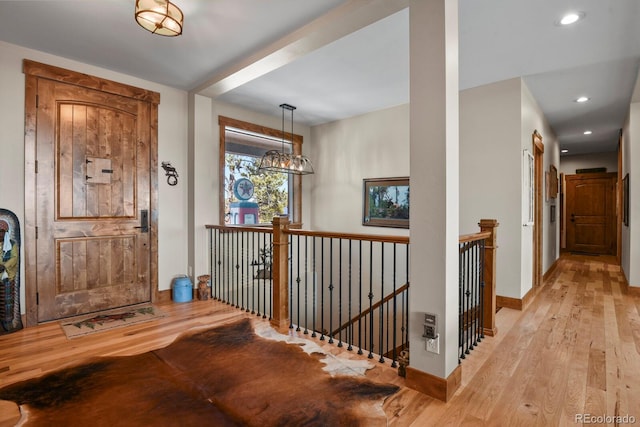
(351, 289)
(240, 267)
(471, 295)
(348, 289)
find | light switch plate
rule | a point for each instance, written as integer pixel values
(433, 345)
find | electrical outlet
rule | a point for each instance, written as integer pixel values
(433, 345)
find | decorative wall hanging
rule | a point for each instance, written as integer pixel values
(170, 173)
(553, 182)
(386, 202)
(10, 319)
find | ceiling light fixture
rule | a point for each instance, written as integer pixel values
(587, 132)
(564, 151)
(571, 18)
(159, 17)
(282, 161)
(582, 99)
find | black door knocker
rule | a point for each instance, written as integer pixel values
(170, 172)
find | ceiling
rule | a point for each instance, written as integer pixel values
(334, 59)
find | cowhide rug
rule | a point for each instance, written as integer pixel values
(224, 376)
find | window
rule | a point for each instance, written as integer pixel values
(248, 196)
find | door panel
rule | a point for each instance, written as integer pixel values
(92, 183)
(591, 213)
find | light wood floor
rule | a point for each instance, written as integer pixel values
(574, 350)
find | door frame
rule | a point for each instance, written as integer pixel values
(33, 72)
(538, 159)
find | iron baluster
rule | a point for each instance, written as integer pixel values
(331, 291)
(370, 356)
(313, 271)
(340, 292)
(322, 289)
(360, 296)
(395, 314)
(306, 301)
(381, 360)
(298, 284)
(350, 330)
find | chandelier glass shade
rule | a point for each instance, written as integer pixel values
(159, 17)
(283, 161)
(279, 161)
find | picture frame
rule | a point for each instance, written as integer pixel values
(625, 200)
(386, 202)
(553, 182)
(547, 185)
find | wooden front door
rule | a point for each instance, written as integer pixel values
(93, 193)
(591, 213)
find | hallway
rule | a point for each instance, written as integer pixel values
(575, 351)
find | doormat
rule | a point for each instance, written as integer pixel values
(231, 375)
(110, 320)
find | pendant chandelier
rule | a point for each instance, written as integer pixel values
(286, 162)
(159, 17)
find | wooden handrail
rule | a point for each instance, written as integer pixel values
(465, 238)
(309, 233)
(373, 307)
(235, 228)
(350, 236)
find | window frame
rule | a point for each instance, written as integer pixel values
(295, 182)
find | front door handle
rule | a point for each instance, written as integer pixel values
(144, 221)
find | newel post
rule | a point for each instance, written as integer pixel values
(280, 274)
(490, 248)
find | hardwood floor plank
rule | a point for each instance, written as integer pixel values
(574, 350)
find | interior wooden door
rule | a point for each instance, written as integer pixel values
(93, 191)
(591, 213)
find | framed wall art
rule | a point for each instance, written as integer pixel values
(553, 182)
(386, 202)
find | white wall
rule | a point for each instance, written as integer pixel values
(533, 119)
(625, 245)
(496, 124)
(172, 143)
(569, 163)
(630, 160)
(374, 145)
(631, 234)
(490, 172)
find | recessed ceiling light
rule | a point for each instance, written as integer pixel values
(587, 132)
(571, 18)
(582, 99)
(564, 151)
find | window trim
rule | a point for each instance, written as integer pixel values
(224, 122)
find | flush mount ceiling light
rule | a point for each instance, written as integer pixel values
(564, 151)
(571, 18)
(159, 17)
(282, 161)
(587, 132)
(582, 99)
